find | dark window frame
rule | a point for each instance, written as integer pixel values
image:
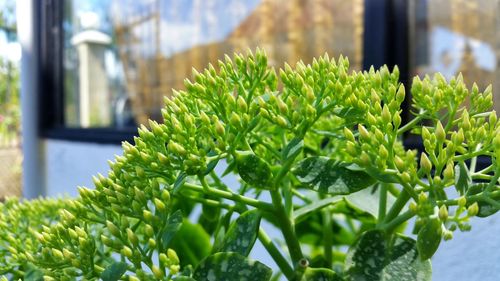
(382, 18)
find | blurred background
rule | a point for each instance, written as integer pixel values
(82, 74)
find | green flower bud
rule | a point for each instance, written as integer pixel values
(133, 278)
(132, 238)
(386, 115)
(365, 136)
(157, 272)
(106, 241)
(310, 111)
(382, 152)
(176, 148)
(440, 133)
(462, 201)
(219, 128)
(443, 213)
(72, 234)
(413, 207)
(400, 95)
(405, 177)
(57, 254)
(447, 235)
(149, 231)
(163, 259)
(151, 243)
(126, 251)
(396, 119)
(425, 163)
(280, 121)
(165, 195)
(364, 159)
(172, 256)
(473, 209)
(449, 172)
(160, 206)
(349, 135)
(400, 164)
(242, 105)
(422, 197)
(113, 229)
(235, 120)
(174, 269)
(148, 216)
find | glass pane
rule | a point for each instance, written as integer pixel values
(452, 36)
(122, 57)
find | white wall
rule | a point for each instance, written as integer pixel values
(70, 164)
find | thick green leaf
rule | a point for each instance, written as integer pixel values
(462, 178)
(173, 225)
(192, 243)
(320, 274)
(293, 148)
(231, 266)
(325, 175)
(242, 233)
(114, 271)
(368, 200)
(485, 208)
(253, 170)
(429, 238)
(374, 257)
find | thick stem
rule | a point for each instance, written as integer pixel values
(327, 236)
(382, 207)
(397, 221)
(276, 255)
(397, 206)
(287, 227)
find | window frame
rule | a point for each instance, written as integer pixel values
(381, 19)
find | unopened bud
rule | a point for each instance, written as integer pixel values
(473, 209)
(386, 115)
(126, 251)
(425, 163)
(132, 237)
(160, 206)
(157, 272)
(440, 133)
(148, 216)
(148, 230)
(462, 201)
(349, 135)
(172, 256)
(443, 213)
(422, 197)
(113, 229)
(242, 105)
(413, 207)
(219, 128)
(363, 133)
(400, 164)
(165, 195)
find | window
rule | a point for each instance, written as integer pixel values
(452, 36)
(121, 57)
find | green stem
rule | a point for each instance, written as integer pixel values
(287, 227)
(411, 124)
(389, 226)
(327, 236)
(382, 207)
(397, 206)
(231, 196)
(276, 255)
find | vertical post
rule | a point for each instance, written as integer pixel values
(33, 176)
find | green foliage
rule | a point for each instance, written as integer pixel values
(323, 143)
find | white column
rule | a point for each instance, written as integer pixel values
(33, 173)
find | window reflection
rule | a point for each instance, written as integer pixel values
(132, 53)
(452, 36)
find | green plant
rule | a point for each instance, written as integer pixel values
(319, 155)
